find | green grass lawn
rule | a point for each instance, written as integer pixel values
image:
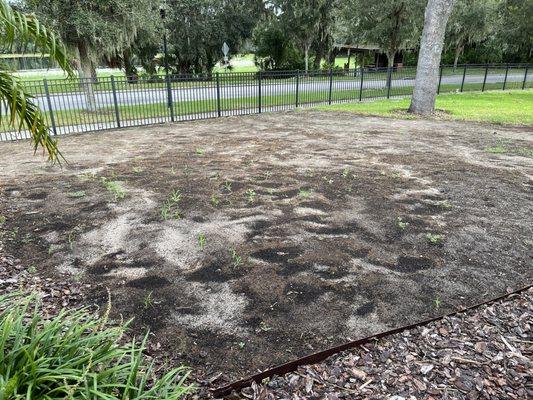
(509, 107)
(240, 63)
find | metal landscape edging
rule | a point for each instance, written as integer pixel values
(322, 355)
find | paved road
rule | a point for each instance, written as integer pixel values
(133, 96)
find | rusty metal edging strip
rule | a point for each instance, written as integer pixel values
(322, 355)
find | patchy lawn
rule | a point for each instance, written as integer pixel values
(509, 107)
(245, 242)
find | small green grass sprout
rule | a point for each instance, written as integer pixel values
(434, 238)
(401, 224)
(202, 241)
(227, 185)
(304, 193)
(235, 259)
(171, 206)
(438, 302)
(345, 172)
(115, 188)
(148, 301)
(251, 195)
(264, 326)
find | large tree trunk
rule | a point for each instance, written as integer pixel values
(332, 56)
(85, 73)
(129, 67)
(427, 71)
(318, 56)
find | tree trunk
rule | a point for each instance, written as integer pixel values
(94, 77)
(306, 59)
(318, 56)
(458, 52)
(390, 65)
(360, 60)
(390, 58)
(349, 57)
(210, 63)
(427, 71)
(129, 67)
(85, 73)
(332, 56)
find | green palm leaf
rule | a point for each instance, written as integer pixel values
(16, 102)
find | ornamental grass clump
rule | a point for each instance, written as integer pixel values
(75, 355)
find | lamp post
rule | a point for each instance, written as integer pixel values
(163, 14)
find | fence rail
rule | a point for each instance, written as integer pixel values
(83, 105)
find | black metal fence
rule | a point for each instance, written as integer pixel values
(75, 105)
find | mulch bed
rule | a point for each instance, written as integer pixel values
(482, 354)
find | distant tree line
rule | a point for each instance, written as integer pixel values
(283, 34)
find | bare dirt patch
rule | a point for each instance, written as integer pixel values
(245, 242)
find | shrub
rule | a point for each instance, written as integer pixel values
(75, 356)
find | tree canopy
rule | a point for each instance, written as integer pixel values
(390, 24)
(283, 34)
(198, 28)
(294, 31)
(472, 21)
(515, 29)
(93, 29)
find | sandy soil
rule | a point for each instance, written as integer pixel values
(287, 233)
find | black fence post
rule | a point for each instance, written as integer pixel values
(525, 77)
(170, 104)
(361, 84)
(330, 86)
(259, 91)
(389, 81)
(440, 79)
(219, 111)
(115, 101)
(463, 81)
(49, 102)
(505, 79)
(485, 77)
(297, 88)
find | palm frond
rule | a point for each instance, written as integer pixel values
(16, 102)
(22, 112)
(17, 26)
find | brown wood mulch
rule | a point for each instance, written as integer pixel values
(484, 353)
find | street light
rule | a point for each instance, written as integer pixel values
(163, 14)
